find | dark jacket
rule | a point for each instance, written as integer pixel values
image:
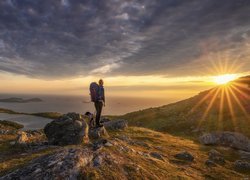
(101, 93)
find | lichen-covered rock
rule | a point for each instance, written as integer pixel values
(64, 164)
(116, 124)
(96, 133)
(68, 129)
(229, 139)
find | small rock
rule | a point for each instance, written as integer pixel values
(244, 155)
(186, 156)
(156, 155)
(242, 166)
(12, 143)
(210, 163)
(97, 133)
(116, 125)
(216, 157)
(108, 144)
(97, 161)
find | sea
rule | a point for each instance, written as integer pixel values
(82, 104)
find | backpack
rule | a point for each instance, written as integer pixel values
(94, 88)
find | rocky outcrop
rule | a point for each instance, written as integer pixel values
(229, 139)
(96, 133)
(116, 124)
(68, 129)
(64, 164)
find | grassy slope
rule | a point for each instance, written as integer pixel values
(132, 165)
(119, 164)
(182, 118)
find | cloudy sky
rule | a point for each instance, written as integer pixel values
(168, 44)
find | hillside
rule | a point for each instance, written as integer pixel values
(223, 108)
(134, 153)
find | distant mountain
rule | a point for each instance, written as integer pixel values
(223, 108)
(20, 100)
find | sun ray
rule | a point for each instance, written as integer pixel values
(247, 96)
(239, 103)
(221, 109)
(231, 109)
(209, 106)
(202, 100)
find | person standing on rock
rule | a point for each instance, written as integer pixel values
(98, 97)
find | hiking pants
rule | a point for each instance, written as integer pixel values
(98, 108)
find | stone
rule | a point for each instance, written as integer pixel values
(156, 156)
(64, 164)
(240, 165)
(210, 163)
(108, 144)
(216, 157)
(244, 155)
(116, 125)
(185, 156)
(228, 139)
(97, 161)
(69, 129)
(12, 143)
(97, 133)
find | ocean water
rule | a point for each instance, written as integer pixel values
(29, 122)
(81, 104)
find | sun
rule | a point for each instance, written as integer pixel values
(224, 79)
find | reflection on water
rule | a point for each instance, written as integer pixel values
(29, 122)
(81, 104)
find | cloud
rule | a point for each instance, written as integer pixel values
(57, 39)
(105, 69)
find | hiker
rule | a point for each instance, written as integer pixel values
(98, 97)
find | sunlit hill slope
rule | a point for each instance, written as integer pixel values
(225, 107)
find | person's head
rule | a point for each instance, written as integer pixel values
(101, 82)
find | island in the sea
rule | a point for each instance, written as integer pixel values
(20, 100)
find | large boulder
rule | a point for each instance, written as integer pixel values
(228, 139)
(67, 130)
(116, 124)
(64, 164)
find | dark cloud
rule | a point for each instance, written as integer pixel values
(65, 38)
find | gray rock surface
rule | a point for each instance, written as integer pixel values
(185, 156)
(244, 155)
(64, 164)
(228, 139)
(116, 124)
(242, 166)
(66, 130)
(156, 156)
(96, 133)
(216, 157)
